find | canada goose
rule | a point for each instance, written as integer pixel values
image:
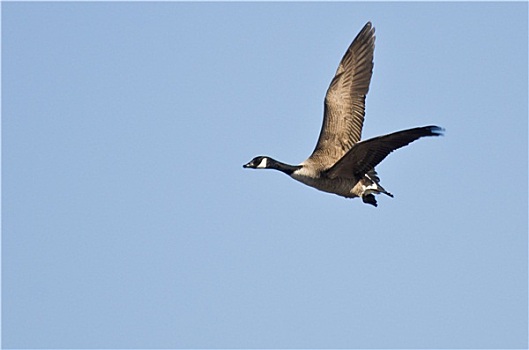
(341, 163)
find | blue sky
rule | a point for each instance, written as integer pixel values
(129, 222)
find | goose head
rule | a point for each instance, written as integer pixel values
(260, 162)
(264, 162)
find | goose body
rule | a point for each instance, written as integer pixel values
(341, 163)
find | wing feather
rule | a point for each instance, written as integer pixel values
(365, 155)
(344, 107)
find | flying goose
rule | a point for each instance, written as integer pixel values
(341, 163)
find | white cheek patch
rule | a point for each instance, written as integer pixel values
(263, 164)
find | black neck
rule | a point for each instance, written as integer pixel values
(285, 168)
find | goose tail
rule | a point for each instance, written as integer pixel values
(373, 188)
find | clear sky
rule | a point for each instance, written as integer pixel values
(129, 222)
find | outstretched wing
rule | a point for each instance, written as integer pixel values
(365, 155)
(345, 100)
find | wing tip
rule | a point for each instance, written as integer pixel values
(435, 130)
